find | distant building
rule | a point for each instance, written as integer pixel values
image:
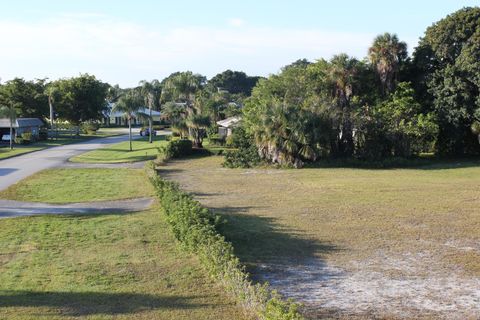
(21, 125)
(117, 118)
(226, 126)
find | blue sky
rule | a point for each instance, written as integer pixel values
(127, 41)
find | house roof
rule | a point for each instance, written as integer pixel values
(142, 110)
(229, 122)
(21, 122)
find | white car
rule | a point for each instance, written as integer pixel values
(6, 137)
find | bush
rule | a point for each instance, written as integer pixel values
(19, 140)
(245, 154)
(27, 137)
(196, 229)
(90, 127)
(177, 149)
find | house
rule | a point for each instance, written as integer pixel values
(226, 126)
(117, 118)
(21, 125)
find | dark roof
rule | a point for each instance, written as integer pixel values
(21, 122)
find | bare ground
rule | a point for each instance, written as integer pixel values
(351, 243)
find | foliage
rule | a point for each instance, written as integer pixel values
(196, 229)
(27, 137)
(407, 129)
(90, 127)
(80, 98)
(234, 82)
(245, 153)
(447, 59)
(387, 53)
(27, 97)
(176, 149)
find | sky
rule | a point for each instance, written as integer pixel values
(123, 42)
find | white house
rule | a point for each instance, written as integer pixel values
(226, 126)
(117, 118)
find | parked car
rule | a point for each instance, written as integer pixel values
(146, 132)
(6, 137)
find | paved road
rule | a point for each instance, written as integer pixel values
(17, 168)
(11, 208)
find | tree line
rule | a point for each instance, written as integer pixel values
(386, 105)
(389, 104)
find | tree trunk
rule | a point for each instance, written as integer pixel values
(150, 124)
(11, 133)
(130, 133)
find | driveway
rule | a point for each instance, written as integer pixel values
(14, 169)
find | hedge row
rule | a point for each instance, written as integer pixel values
(195, 228)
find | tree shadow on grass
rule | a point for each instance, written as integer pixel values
(92, 303)
(262, 241)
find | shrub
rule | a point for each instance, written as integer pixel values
(245, 154)
(90, 127)
(177, 149)
(19, 140)
(27, 137)
(196, 229)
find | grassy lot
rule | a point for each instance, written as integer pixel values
(418, 229)
(115, 266)
(5, 151)
(79, 185)
(142, 150)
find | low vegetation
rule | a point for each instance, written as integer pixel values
(80, 185)
(196, 228)
(117, 153)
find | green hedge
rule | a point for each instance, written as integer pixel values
(196, 229)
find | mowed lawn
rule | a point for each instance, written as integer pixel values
(79, 185)
(112, 266)
(141, 150)
(380, 243)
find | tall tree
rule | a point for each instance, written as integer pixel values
(448, 58)
(386, 54)
(28, 97)
(130, 105)
(82, 98)
(151, 92)
(342, 78)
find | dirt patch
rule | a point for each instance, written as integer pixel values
(381, 287)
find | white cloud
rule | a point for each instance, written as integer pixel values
(236, 22)
(124, 52)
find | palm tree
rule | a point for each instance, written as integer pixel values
(52, 92)
(386, 54)
(11, 113)
(197, 124)
(183, 87)
(129, 105)
(286, 135)
(151, 92)
(341, 76)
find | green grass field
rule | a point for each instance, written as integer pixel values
(416, 228)
(113, 266)
(79, 185)
(117, 153)
(5, 151)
